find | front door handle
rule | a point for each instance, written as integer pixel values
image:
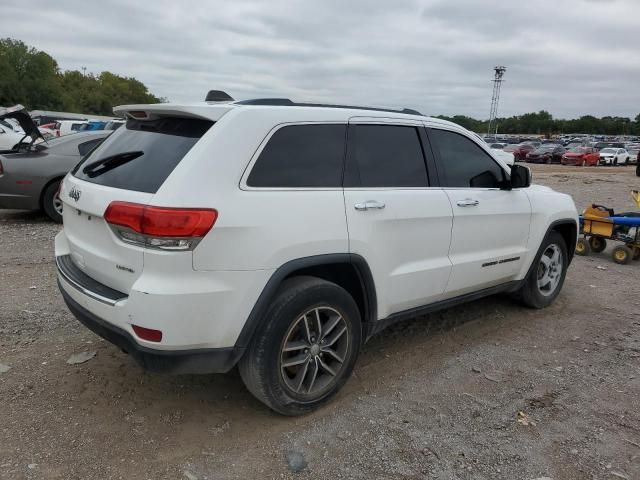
(369, 205)
(467, 202)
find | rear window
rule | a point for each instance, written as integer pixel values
(141, 155)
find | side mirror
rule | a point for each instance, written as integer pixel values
(520, 176)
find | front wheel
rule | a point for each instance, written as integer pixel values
(51, 203)
(546, 276)
(307, 348)
(583, 247)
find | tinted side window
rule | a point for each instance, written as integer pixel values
(301, 156)
(462, 163)
(86, 147)
(386, 156)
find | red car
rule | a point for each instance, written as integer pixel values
(581, 156)
(520, 150)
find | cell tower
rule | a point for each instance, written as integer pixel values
(497, 83)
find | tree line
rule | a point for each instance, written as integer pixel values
(543, 123)
(33, 78)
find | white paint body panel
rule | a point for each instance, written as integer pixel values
(421, 248)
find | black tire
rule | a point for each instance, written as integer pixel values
(622, 254)
(49, 196)
(638, 169)
(262, 367)
(597, 244)
(636, 253)
(583, 248)
(530, 293)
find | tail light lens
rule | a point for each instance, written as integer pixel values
(160, 227)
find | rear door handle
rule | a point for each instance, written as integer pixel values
(467, 202)
(369, 205)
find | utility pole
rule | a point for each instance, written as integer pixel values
(84, 71)
(495, 99)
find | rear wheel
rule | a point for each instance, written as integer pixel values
(51, 203)
(582, 247)
(307, 348)
(622, 254)
(597, 244)
(546, 277)
(636, 253)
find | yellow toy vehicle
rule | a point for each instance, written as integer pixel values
(599, 224)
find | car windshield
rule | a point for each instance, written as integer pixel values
(608, 150)
(548, 147)
(578, 150)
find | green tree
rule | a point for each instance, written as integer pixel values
(32, 78)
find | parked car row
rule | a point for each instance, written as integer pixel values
(66, 127)
(581, 155)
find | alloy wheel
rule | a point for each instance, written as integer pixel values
(550, 270)
(57, 204)
(314, 352)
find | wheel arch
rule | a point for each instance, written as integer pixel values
(44, 188)
(569, 231)
(350, 271)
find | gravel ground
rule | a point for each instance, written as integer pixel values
(488, 390)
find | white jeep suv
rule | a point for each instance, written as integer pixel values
(280, 236)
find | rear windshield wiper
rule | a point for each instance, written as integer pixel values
(103, 165)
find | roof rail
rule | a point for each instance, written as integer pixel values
(285, 102)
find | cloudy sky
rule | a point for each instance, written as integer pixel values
(570, 57)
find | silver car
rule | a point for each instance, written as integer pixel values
(30, 176)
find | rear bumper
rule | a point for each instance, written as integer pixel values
(197, 361)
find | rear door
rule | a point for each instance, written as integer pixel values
(490, 225)
(396, 221)
(129, 166)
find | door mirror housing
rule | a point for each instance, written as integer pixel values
(520, 176)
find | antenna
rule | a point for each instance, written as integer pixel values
(495, 99)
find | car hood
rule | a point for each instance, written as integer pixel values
(574, 154)
(24, 119)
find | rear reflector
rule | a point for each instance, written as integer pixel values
(160, 227)
(148, 334)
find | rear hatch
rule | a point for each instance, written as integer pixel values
(129, 166)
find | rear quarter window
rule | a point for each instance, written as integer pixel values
(142, 154)
(299, 156)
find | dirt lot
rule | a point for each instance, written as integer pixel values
(437, 397)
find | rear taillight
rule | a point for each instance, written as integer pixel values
(160, 227)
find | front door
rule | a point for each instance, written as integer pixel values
(490, 224)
